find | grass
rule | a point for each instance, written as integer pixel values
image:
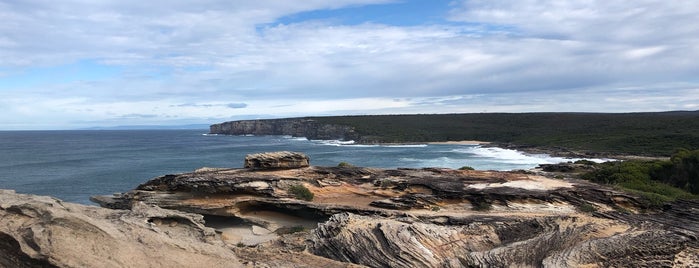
(587, 208)
(655, 193)
(301, 192)
(657, 181)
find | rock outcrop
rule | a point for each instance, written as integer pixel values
(427, 217)
(297, 127)
(40, 231)
(276, 160)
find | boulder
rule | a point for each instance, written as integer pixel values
(277, 160)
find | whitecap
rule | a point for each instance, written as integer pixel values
(333, 142)
(406, 146)
(516, 157)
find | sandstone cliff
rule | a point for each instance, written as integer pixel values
(426, 218)
(297, 127)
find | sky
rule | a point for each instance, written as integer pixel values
(84, 63)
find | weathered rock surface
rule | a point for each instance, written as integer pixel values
(429, 217)
(39, 231)
(297, 127)
(276, 160)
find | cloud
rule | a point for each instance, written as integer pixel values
(236, 105)
(184, 59)
(206, 105)
(131, 116)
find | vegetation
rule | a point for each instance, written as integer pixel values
(290, 230)
(301, 192)
(466, 168)
(587, 208)
(481, 204)
(656, 134)
(344, 164)
(659, 181)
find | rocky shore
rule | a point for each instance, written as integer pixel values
(295, 215)
(297, 127)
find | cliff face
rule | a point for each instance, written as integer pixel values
(308, 128)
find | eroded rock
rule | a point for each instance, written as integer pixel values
(276, 160)
(431, 217)
(39, 231)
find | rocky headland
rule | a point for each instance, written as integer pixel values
(286, 213)
(297, 127)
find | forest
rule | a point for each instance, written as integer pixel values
(646, 134)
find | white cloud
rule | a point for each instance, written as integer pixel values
(200, 59)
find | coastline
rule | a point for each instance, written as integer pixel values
(464, 142)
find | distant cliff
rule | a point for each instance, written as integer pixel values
(297, 127)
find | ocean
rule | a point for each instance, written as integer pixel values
(74, 165)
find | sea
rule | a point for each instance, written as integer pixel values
(74, 165)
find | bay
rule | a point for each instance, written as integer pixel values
(74, 165)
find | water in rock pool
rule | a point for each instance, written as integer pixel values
(73, 165)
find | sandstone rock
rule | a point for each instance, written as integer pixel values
(39, 231)
(276, 160)
(298, 127)
(424, 217)
(497, 242)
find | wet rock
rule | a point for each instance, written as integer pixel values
(276, 160)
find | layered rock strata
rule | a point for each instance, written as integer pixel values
(40, 231)
(427, 217)
(297, 127)
(276, 160)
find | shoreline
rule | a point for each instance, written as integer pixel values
(464, 142)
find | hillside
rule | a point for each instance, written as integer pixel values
(652, 134)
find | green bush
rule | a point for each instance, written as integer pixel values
(481, 206)
(587, 207)
(344, 164)
(658, 181)
(466, 168)
(290, 230)
(301, 192)
(585, 162)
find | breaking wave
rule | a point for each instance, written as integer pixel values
(517, 157)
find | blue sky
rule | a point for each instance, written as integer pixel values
(75, 64)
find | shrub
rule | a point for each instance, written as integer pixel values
(585, 162)
(290, 230)
(301, 192)
(481, 205)
(657, 181)
(466, 168)
(344, 164)
(587, 208)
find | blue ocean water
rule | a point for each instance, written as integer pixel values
(73, 165)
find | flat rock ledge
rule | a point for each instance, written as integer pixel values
(276, 160)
